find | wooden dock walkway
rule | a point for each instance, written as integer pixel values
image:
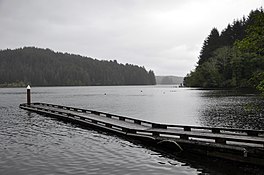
(233, 144)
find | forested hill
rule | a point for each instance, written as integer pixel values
(44, 67)
(233, 57)
(169, 80)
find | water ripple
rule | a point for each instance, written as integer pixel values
(35, 144)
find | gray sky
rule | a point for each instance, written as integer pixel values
(163, 35)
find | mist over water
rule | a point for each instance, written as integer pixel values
(35, 144)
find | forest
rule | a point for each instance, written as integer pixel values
(232, 58)
(44, 67)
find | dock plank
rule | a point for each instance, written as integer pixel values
(98, 118)
(228, 143)
(235, 138)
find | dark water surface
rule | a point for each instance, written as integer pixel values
(34, 144)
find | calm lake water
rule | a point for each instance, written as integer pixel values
(34, 144)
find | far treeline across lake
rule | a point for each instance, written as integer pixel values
(233, 58)
(44, 67)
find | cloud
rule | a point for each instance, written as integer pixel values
(165, 36)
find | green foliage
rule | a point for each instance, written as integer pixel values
(216, 72)
(258, 81)
(235, 58)
(14, 84)
(260, 86)
(254, 40)
(43, 67)
(209, 45)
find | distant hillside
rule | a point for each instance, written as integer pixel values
(44, 67)
(169, 80)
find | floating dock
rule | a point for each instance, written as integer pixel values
(246, 146)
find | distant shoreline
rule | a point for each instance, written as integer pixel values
(74, 86)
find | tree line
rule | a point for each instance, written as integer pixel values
(233, 57)
(44, 67)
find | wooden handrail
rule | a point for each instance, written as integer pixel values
(217, 142)
(249, 132)
(80, 117)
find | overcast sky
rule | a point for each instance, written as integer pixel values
(163, 35)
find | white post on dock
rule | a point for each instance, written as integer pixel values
(28, 95)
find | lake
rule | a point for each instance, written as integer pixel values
(35, 144)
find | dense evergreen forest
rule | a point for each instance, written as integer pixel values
(44, 67)
(234, 57)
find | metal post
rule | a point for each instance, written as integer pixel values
(28, 95)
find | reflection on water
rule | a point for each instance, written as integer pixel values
(34, 144)
(232, 109)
